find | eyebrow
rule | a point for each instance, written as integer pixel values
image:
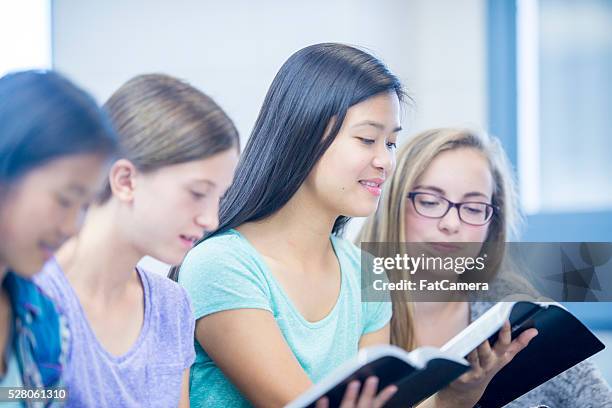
(377, 125)
(442, 192)
(210, 183)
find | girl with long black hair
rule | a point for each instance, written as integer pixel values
(275, 290)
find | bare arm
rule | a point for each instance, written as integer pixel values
(248, 346)
(184, 401)
(486, 361)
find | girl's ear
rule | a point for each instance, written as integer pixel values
(122, 179)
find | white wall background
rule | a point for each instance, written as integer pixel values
(232, 50)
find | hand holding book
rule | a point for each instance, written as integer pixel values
(488, 377)
(368, 397)
(485, 362)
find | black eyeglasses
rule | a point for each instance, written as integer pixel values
(435, 206)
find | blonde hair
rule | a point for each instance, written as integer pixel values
(388, 223)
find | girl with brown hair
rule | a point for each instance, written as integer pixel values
(132, 330)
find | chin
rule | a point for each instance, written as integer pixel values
(171, 258)
(363, 210)
(437, 275)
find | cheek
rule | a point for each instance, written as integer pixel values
(28, 220)
(162, 212)
(185, 208)
(40, 214)
(345, 162)
(417, 228)
(168, 215)
(475, 234)
(12, 224)
(320, 179)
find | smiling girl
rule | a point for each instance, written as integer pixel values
(132, 342)
(54, 146)
(276, 290)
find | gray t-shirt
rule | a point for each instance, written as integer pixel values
(150, 373)
(580, 386)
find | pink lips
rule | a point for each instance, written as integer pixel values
(374, 186)
(444, 247)
(188, 241)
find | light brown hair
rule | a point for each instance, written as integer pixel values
(162, 120)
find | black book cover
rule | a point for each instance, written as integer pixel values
(562, 342)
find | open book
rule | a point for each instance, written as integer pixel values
(562, 342)
(417, 374)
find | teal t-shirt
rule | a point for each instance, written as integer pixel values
(225, 272)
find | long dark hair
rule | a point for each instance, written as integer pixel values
(314, 88)
(44, 116)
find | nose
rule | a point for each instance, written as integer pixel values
(208, 219)
(450, 223)
(384, 158)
